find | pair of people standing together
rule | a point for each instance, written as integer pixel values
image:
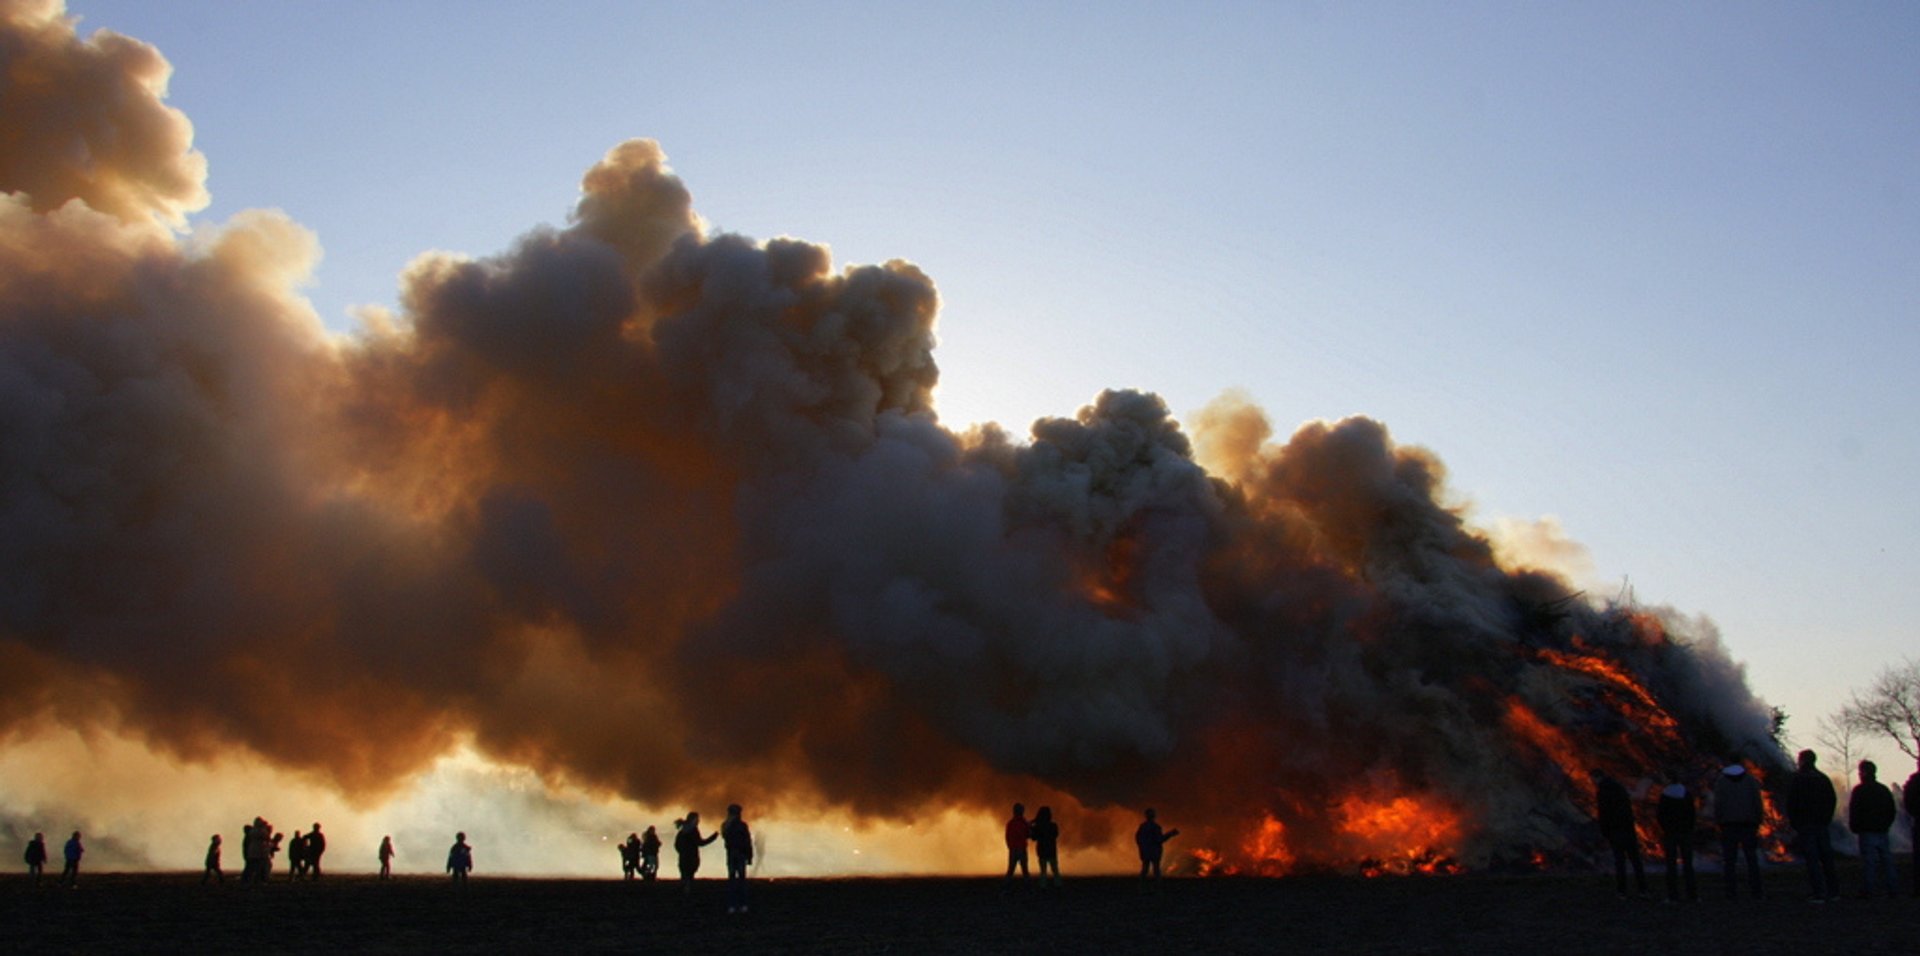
(687, 842)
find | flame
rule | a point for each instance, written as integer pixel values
(1402, 835)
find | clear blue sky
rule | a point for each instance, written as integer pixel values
(1651, 268)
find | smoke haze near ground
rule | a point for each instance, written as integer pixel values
(668, 517)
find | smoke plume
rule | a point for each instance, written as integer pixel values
(670, 515)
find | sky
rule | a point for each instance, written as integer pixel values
(1643, 270)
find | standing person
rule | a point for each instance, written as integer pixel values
(296, 856)
(1617, 826)
(630, 856)
(1737, 812)
(460, 859)
(1910, 795)
(687, 842)
(1810, 806)
(74, 851)
(316, 847)
(386, 858)
(650, 855)
(36, 856)
(1870, 814)
(1677, 820)
(1018, 832)
(739, 848)
(1046, 844)
(212, 872)
(1152, 842)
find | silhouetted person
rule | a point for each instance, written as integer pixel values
(1678, 819)
(739, 846)
(1737, 811)
(1018, 831)
(296, 856)
(630, 856)
(1810, 805)
(459, 859)
(687, 843)
(1870, 814)
(74, 851)
(316, 848)
(1152, 842)
(1910, 796)
(1617, 826)
(258, 845)
(650, 855)
(212, 872)
(1046, 844)
(36, 856)
(386, 857)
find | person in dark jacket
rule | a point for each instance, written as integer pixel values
(1910, 795)
(316, 848)
(385, 853)
(74, 851)
(36, 856)
(739, 847)
(1736, 812)
(1152, 842)
(459, 859)
(1677, 820)
(1810, 805)
(687, 842)
(650, 855)
(1046, 844)
(1870, 814)
(212, 872)
(1617, 826)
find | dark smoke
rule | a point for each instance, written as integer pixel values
(671, 515)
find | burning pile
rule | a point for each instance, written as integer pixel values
(671, 515)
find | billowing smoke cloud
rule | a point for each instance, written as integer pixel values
(670, 516)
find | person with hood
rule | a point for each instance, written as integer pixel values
(1737, 811)
(1677, 820)
(212, 872)
(1870, 815)
(386, 857)
(1810, 806)
(1152, 842)
(687, 842)
(1618, 828)
(74, 851)
(739, 848)
(459, 859)
(1046, 844)
(650, 855)
(36, 856)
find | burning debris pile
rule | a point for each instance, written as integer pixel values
(671, 515)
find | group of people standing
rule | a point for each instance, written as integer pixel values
(1043, 832)
(37, 858)
(687, 841)
(1739, 810)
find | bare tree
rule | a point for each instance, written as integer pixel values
(1890, 708)
(1840, 739)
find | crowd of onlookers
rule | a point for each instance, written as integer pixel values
(1739, 811)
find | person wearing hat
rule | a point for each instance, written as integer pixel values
(1677, 818)
(1737, 812)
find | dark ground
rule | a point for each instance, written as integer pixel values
(158, 912)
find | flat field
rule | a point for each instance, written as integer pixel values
(1542, 913)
